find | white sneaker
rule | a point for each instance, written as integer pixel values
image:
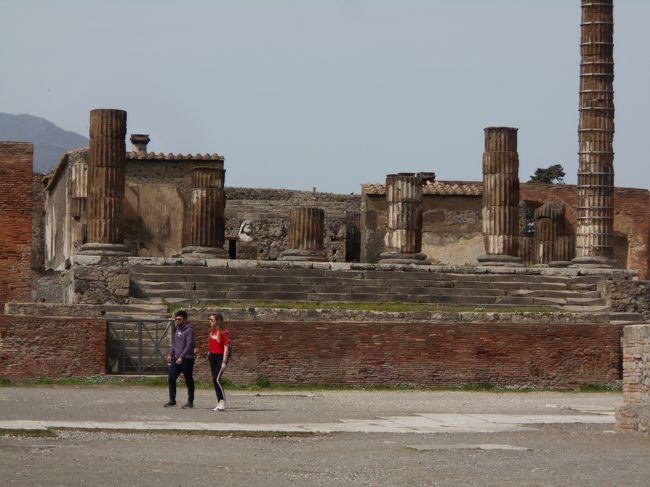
(221, 405)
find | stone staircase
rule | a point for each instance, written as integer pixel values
(167, 284)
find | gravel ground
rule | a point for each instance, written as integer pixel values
(549, 455)
(557, 455)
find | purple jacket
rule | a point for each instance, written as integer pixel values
(183, 342)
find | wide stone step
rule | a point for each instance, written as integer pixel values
(546, 293)
(221, 291)
(140, 269)
(166, 281)
(460, 299)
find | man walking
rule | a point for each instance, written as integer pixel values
(181, 359)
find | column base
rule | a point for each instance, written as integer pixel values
(500, 260)
(403, 258)
(593, 263)
(197, 252)
(559, 263)
(104, 249)
(302, 255)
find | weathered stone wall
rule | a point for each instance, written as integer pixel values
(56, 224)
(452, 222)
(628, 296)
(154, 215)
(154, 204)
(430, 353)
(451, 228)
(631, 220)
(268, 211)
(634, 414)
(34, 347)
(97, 280)
(38, 222)
(64, 220)
(15, 221)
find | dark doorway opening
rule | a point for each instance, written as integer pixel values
(232, 249)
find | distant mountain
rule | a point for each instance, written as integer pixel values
(50, 142)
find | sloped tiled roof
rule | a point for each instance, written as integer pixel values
(174, 157)
(449, 188)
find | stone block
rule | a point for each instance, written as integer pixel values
(242, 264)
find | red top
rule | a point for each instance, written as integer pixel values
(215, 346)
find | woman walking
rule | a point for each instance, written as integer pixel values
(218, 356)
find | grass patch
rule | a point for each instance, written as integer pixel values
(263, 384)
(362, 306)
(97, 380)
(5, 382)
(599, 388)
(45, 433)
(227, 434)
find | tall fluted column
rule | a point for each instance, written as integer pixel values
(204, 235)
(106, 171)
(306, 233)
(403, 239)
(500, 197)
(595, 228)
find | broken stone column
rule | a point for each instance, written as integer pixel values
(526, 250)
(501, 197)
(204, 234)
(595, 228)
(563, 251)
(106, 172)
(306, 232)
(549, 224)
(403, 240)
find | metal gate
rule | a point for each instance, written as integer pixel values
(137, 346)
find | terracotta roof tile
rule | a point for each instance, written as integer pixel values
(451, 188)
(173, 157)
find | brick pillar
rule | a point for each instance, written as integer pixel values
(15, 221)
(306, 232)
(204, 234)
(106, 171)
(595, 227)
(501, 197)
(403, 240)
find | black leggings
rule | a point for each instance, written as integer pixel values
(215, 367)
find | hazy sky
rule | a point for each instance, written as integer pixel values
(331, 94)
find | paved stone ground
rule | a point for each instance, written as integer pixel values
(341, 438)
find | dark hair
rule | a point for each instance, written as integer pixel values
(181, 313)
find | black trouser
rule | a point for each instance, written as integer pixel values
(215, 367)
(186, 367)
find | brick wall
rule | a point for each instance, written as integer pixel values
(15, 221)
(434, 354)
(36, 347)
(634, 414)
(452, 224)
(631, 219)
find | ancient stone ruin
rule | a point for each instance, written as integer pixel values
(495, 281)
(595, 228)
(501, 197)
(305, 235)
(105, 175)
